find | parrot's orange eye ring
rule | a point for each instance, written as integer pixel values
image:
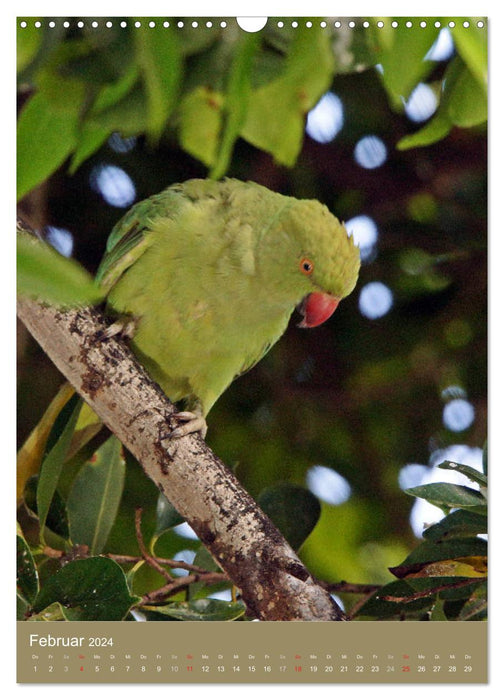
(306, 266)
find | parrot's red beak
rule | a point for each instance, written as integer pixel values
(316, 308)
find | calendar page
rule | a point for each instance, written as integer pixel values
(252, 350)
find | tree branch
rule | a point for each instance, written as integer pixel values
(273, 581)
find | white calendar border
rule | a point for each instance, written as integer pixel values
(243, 9)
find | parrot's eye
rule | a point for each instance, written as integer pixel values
(306, 266)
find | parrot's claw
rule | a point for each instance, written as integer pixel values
(123, 327)
(193, 423)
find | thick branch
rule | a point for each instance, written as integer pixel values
(274, 583)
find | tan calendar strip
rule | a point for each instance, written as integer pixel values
(253, 652)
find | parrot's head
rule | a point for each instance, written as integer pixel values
(322, 258)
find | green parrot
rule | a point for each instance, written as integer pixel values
(204, 277)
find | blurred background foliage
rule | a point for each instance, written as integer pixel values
(384, 124)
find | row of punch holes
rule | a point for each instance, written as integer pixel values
(251, 24)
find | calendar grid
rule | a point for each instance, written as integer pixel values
(305, 652)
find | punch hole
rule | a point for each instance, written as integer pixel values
(252, 24)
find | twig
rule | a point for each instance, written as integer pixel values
(150, 560)
(159, 595)
(431, 591)
(345, 587)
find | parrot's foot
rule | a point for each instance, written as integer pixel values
(124, 327)
(193, 423)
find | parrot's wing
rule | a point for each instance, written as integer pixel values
(131, 237)
(252, 360)
(128, 248)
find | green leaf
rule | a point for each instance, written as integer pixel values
(53, 613)
(276, 116)
(476, 605)
(27, 580)
(128, 116)
(200, 121)
(204, 560)
(94, 499)
(467, 98)
(401, 54)
(47, 275)
(53, 463)
(236, 100)
(460, 523)
(470, 472)
(96, 130)
(29, 40)
(472, 46)
(293, 509)
(56, 523)
(160, 60)
(428, 552)
(88, 589)
(166, 516)
(201, 610)
(437, 613)
(46, 136)
(463, 103)
(30, 455)
(445, 495)
(435, 130)
(377, 606)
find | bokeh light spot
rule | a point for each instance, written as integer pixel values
(411, 475)
(365, 234)
(121, 145)
(326, 119)
(370, 152)
(61, 239)
(458, 415)
(186, 555)
(375, 300)
(442, 48)
(421, 104)
(185, 530)
(222, 595)
(114, 184)
(328, 485)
